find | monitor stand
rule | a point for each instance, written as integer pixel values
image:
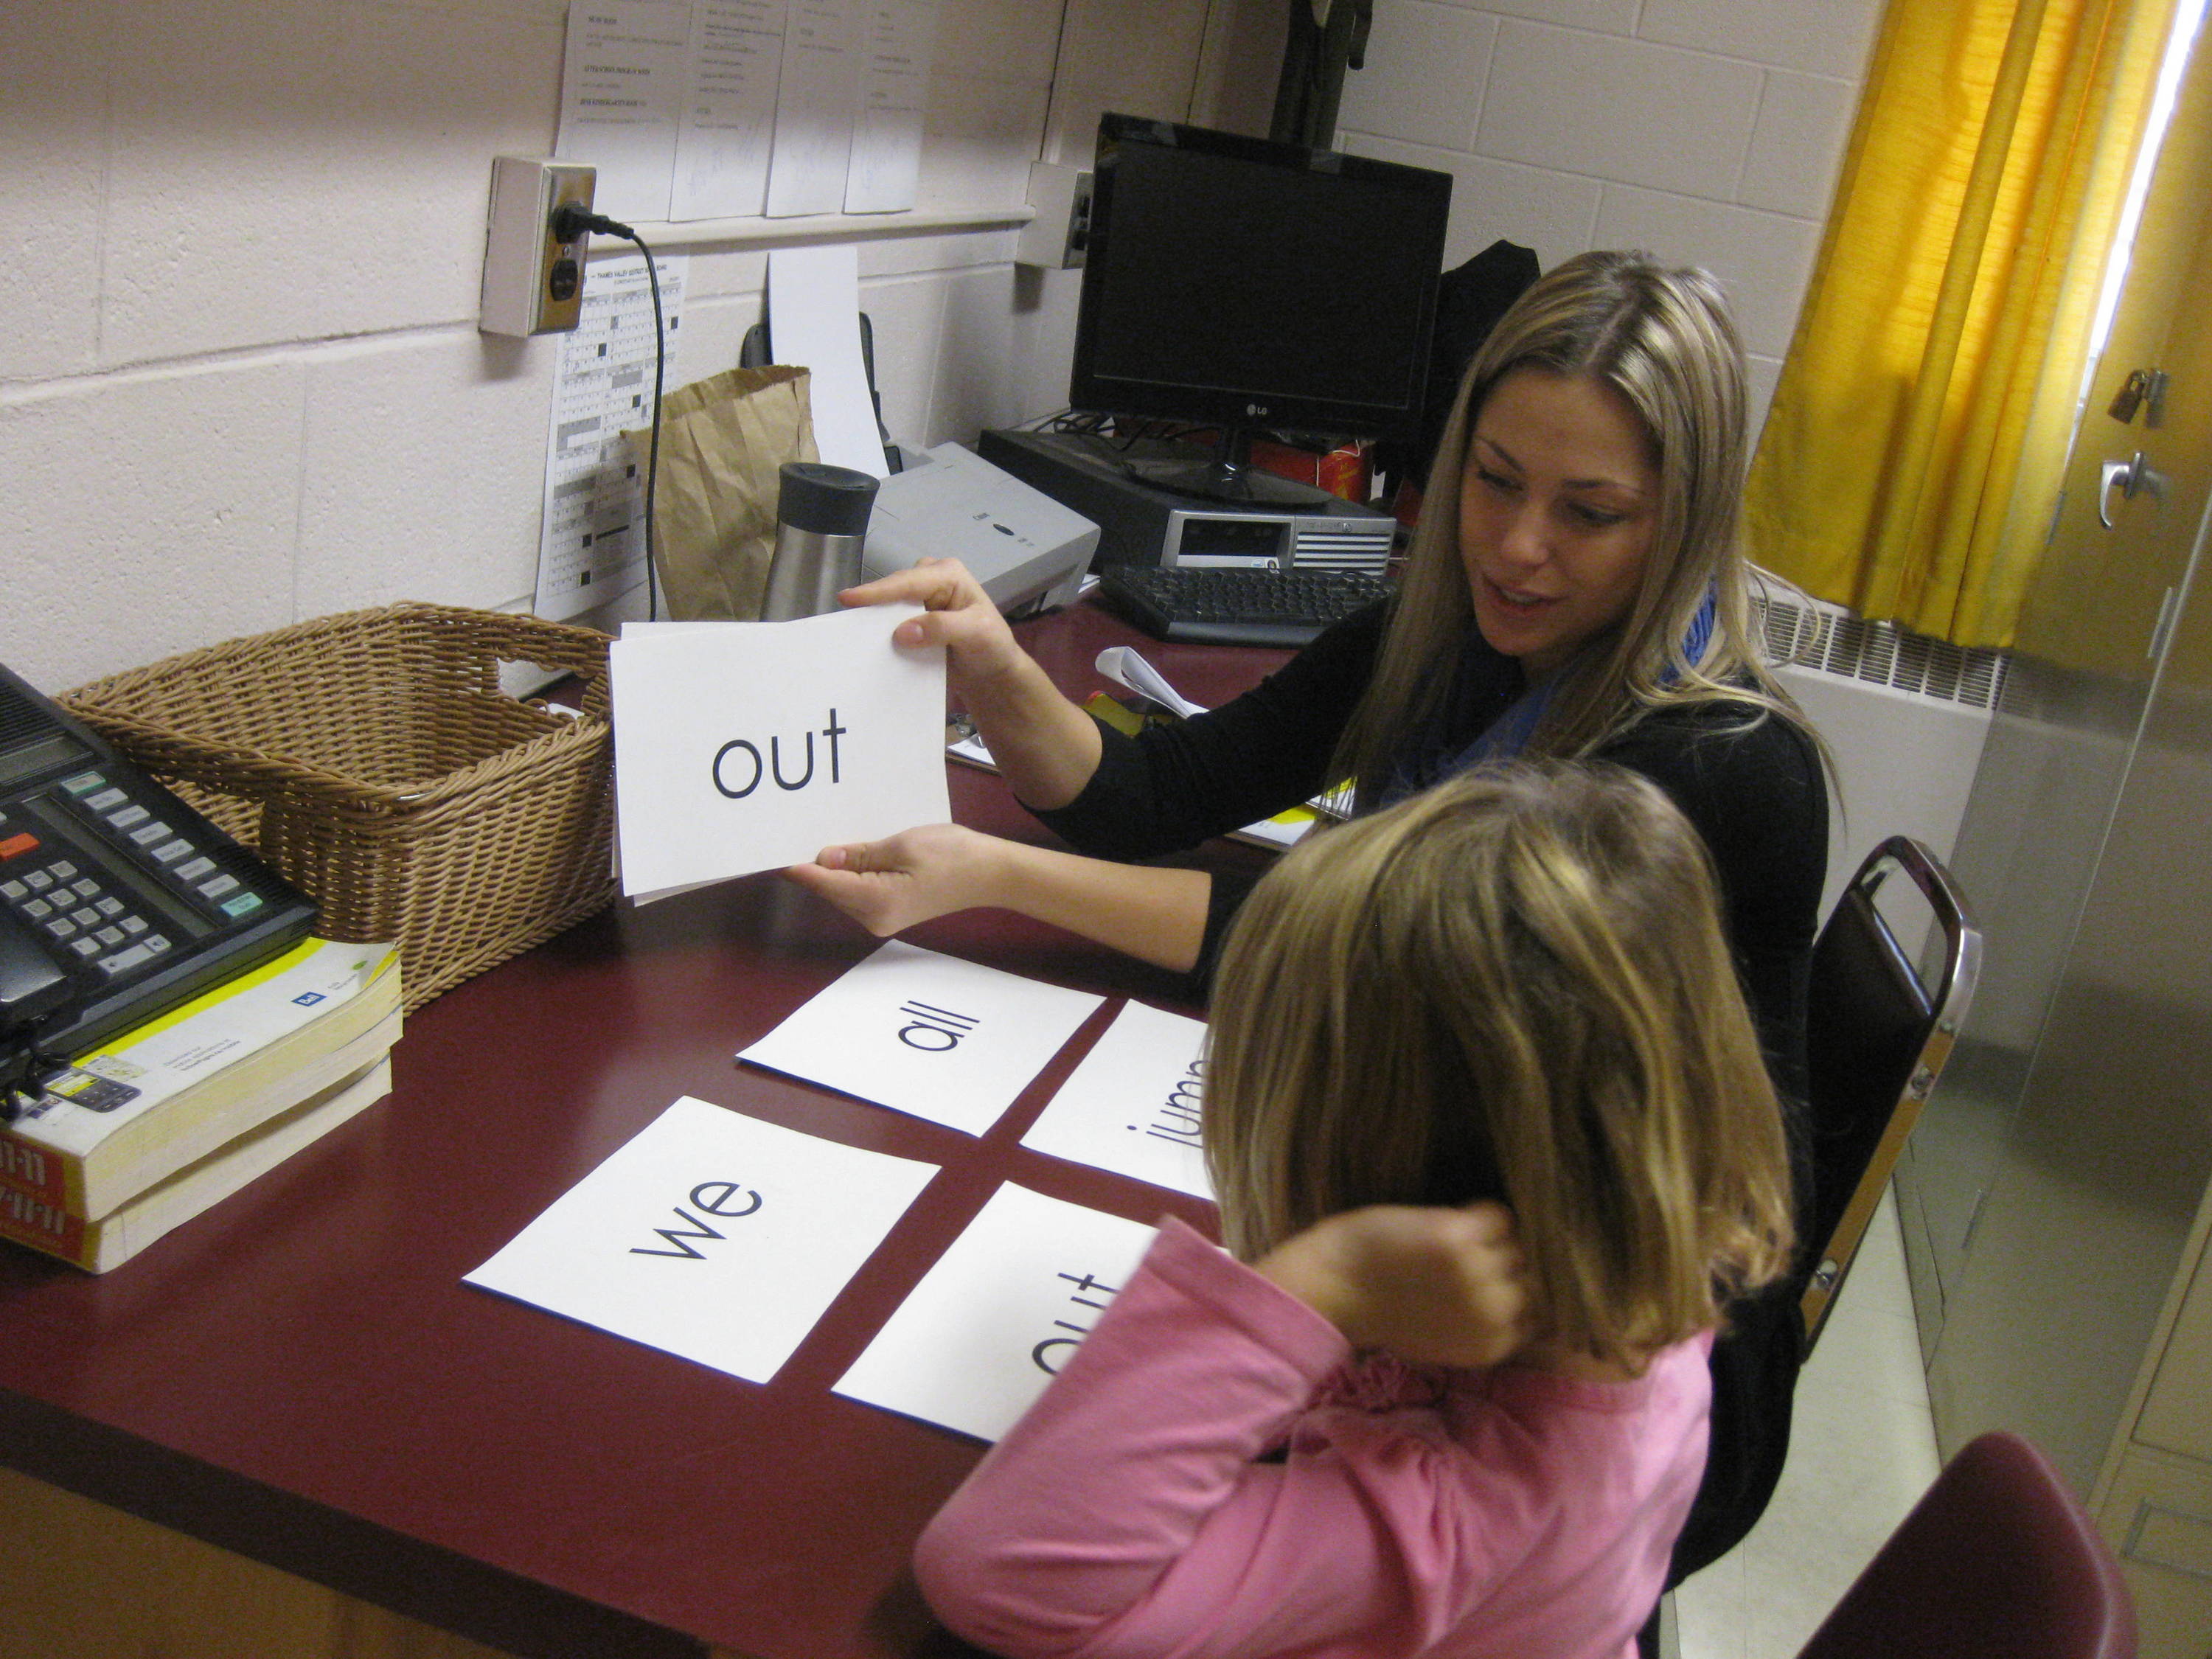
(1230, 476)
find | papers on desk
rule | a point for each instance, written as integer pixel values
(709, 1235)
(723, 1239)
(928, 1034)
(748, 746)
(992, 1323)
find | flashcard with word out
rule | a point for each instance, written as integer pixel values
(1132, 1106)
(920, 1032)
(710, 1234)
(746, 746)
(999, 1314)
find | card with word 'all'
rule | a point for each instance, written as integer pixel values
(928, 1034)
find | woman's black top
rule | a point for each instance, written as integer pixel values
(1754, 793)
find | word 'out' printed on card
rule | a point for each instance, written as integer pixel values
(920, 1032)
(746, 746)
(709, 1235)
(1132, 1105)
(999, 1315)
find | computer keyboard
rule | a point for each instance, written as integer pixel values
(1235, 605)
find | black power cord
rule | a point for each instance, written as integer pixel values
(570, 221)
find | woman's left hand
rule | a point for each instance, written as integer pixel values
(889, 885)
(1436, 1286)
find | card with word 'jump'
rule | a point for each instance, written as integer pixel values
(1132, 1106)
(999, 1314)
(950, 1040)
(747, 746)
(709, 1235)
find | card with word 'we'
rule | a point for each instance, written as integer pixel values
(999, 1314)
(709, 1235)
(920, 1032)
(1132, 1106)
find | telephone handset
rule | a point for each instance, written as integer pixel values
(117, 900)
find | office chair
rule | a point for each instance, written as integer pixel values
(1996, 1561)
(1877, 1033)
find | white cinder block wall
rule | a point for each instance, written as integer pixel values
(1709, 131)
(240, 382)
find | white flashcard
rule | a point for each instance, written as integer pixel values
(747, 746)
(950, 1040)
(994, 1321)
(711, 1236)
(1132, 1106)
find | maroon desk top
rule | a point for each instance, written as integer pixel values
(300, 1376)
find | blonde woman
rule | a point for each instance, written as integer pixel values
(1492, 1135)
(1576, 588)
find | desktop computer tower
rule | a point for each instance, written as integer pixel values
(1141, 523)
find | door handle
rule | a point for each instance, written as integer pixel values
(2135, 476)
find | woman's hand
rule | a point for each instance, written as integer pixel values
(979, 650)
(889, 885)
(1436, 1286)
(1044, 745)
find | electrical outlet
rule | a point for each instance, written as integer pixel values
(532, 284)
(1057, 238)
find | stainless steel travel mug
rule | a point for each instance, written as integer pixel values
(821, 522)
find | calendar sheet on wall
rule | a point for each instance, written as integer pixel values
(592, 542)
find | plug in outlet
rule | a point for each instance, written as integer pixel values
(533, 283)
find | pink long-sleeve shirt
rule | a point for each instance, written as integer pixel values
(1429, 1511)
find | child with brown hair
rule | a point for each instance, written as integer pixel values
(1494, 1144)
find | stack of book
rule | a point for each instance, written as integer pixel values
(170, 1117)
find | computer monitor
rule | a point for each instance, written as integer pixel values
(1240, 285)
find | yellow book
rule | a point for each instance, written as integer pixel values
(165, 1094)
(114, 1239)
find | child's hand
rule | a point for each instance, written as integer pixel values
(1438, 1286)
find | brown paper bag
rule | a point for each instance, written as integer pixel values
(723, 441)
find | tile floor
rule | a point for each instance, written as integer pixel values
(1861, 1451)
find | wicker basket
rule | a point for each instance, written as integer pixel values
(372, 758)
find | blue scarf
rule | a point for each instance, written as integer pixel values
(1430, 758)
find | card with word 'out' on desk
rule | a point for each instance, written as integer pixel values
(950, 1040)
(1132, 1106)
(747, 746)
(709, 1235)
(996, 1318)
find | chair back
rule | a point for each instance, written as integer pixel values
(1996, 1561)
(1877, 1033)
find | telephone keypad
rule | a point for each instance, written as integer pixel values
(103, 921)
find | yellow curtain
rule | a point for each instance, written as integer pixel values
(1912, 459)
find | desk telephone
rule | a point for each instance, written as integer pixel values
(117, 899)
